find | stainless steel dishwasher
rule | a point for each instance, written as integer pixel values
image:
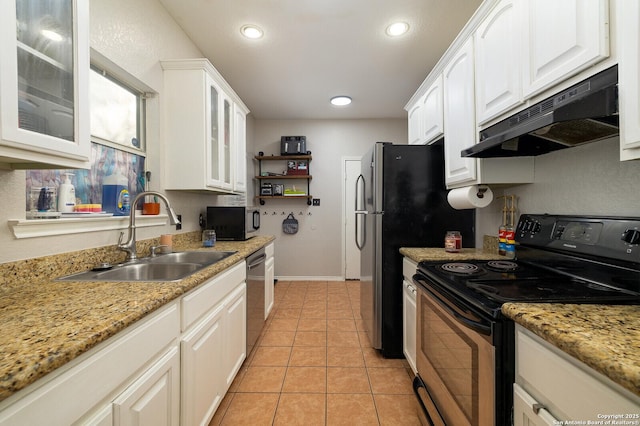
(255, 297)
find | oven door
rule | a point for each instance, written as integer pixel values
(455, 360)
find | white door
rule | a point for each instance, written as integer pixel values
(351, 170)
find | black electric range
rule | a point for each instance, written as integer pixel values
(563, 259)
(559, 259)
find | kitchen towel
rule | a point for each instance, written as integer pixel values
(470, 197)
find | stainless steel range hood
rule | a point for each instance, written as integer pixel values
(585, 112)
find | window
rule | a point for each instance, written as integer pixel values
(118, 115)
(116, 111)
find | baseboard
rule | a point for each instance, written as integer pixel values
(300, 278)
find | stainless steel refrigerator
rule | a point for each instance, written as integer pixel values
(401, 201)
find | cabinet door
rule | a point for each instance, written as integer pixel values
(203, 384)
(432, 124)
(497, 61)
(527, 411)
(415, 122)
(227, 133)
(409, 323)
(459, 116)
(44, 76)
(269, 275)
(215, 172)
(154, 399)
(561, 38)
(240, 150)
(629, 79)
(102, 418)
(235, 339)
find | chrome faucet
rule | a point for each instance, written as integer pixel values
(130, 246)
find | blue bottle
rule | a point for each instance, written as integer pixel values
(115, 195)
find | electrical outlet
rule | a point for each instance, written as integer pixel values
(179, 226)
(316, 201)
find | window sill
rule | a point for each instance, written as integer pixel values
(23, 228)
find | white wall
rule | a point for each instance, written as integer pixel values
(586, 180)
(316, 250)
(136, 36)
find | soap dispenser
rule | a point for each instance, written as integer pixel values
(66, 195)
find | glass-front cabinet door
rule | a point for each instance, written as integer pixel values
(227, 129)
(44, 83)
(213, 133)
(218, 135)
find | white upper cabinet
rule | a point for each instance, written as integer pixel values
(628, 35)
(415, 115)
(433, 118)
(44, 71)
(459, 116)
(240, 146)
(203, 133)
(497, 59)
(425, 115)
(560, 39)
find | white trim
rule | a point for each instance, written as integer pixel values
(344, 216)
(311, 278)
(23, 228)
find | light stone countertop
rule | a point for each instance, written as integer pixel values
(47, 323)
(604, 337)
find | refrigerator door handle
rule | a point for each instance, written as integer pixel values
(359, 213)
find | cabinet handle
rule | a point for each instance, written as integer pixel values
(537, 407)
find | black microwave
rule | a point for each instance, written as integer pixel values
(233, 223)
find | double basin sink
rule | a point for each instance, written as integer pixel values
(163, 267)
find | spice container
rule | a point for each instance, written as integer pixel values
(208, 238)
(453, 241)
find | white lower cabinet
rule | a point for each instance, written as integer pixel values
(554, 388)
(153, 399)
(173, 367)
(213, 345)
(235, 333)
(409, 312)
(269, 280)
(82, 392)
(202, 353)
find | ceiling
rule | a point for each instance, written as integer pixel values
(313, 50)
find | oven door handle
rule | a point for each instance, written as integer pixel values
(474, 325)
(426, 402)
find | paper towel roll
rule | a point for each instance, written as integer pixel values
(470, 197)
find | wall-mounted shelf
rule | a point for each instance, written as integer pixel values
(264, 176)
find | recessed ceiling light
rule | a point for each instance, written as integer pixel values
(251, 31)
(340, 100)
(397, 29)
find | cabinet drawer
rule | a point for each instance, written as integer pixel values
(200, 300)
(268, 250)
(409, 268)
(563, 384)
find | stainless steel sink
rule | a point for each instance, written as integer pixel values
(202, 257)
(166, 267)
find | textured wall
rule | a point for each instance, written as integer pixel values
(587, 179)
(316, 250)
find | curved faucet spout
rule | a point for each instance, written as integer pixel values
(130, 245)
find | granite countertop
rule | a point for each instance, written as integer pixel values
(604, 337)
(47, 323)
(419, 254)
